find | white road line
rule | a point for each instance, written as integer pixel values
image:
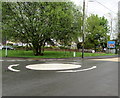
(10, 60)
(20, 60)
(79, 70)
(52, 66)
(1, 60)
(15, 70)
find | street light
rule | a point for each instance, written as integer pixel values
(111, 24)
(83, 28)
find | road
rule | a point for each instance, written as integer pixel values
(101, 81)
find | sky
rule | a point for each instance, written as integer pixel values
(107, 8)
(100, 6)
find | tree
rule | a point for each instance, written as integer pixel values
(77, 24)
(38, 22)
(97, 31)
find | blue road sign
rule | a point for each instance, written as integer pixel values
(111, 44)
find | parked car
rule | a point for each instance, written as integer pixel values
(0, 47)
(8, 47)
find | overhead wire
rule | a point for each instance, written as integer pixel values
(106, 7)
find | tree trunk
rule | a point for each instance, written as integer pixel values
(95, 48)
(37, 50)
(37, 47)
(40, 50)
(27, 47)
(31, 47)
(43, 47)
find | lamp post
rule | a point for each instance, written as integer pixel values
(83, 28)
(111, 25)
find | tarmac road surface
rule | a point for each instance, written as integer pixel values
(101, 81)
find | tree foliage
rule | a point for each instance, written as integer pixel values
(96, 31)
(39, 22)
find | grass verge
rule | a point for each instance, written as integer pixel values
(48, 54)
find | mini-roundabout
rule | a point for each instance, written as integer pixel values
(58, 67)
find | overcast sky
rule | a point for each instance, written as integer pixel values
(100, 7)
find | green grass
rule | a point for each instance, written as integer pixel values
(48, 54)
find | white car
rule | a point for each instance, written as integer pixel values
(8, 47)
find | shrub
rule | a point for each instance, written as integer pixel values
(88, 45)
(62, 47)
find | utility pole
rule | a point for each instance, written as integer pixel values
(83, 28)
(6, 52)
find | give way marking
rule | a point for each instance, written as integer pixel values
(15, 70)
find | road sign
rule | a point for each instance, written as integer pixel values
(111, 44)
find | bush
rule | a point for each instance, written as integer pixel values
(19, 47)
(9, 44)
(48, 47)
(98, 49)
(88, 45)
(62, 47)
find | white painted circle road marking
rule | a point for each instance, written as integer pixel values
(52, 66)
(79, 70)
(55, 66)
(15, 70)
